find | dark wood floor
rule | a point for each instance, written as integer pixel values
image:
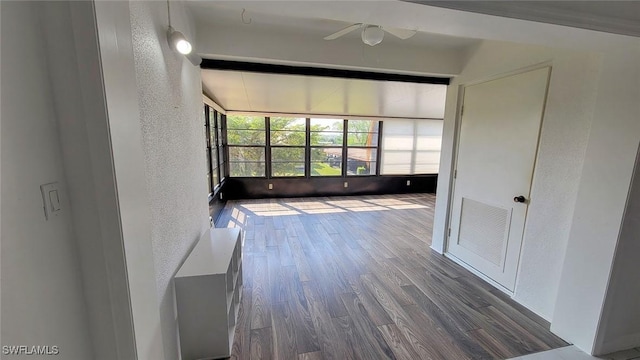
(354, 278)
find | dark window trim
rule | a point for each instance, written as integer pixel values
(267, 144)
(307, 149)
(223, 147)
(207, 127)
(217, 146)
(379, 152)
(215, 64)
(345, 133)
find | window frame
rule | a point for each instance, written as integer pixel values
(213, 135)
(413, 151)
(341, 147)
(376, 148)
(265, 147)
(304, 147)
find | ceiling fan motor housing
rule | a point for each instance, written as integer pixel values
(372, 35)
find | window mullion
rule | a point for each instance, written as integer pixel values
(307, 149)
(344, 147)
(224, 145)
(216, 140)
(267, 150)
(207, 124)
(378, 148)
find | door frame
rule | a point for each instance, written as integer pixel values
(454, 166)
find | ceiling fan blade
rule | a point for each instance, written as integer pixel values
(343, 32)
(400, 33)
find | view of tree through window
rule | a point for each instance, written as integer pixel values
(327, 138)
(297, 147)
(288, 141)
(246, 138)
(362, 147)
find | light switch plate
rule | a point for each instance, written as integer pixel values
(50, 200)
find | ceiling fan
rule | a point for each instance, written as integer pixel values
(372, 34)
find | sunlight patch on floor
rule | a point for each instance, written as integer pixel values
(270, 208)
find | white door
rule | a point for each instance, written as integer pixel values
(497, 148)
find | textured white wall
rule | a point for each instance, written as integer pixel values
(172, 123)
(42, 297)
(621, 317)
(563, 140)
(604, 187)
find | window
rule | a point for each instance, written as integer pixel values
(221, 160)
(258, 146)
(213, 148)
(428, 145)
(246, 139)
(288, 140)
(207, 125)
(362, 147)
(411, 147)
(327, 141)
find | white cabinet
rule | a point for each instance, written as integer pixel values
(208, 289)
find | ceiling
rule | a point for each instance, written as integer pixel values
(242, 91)
(229, 14)
(298, 94)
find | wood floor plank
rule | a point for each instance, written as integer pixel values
(377, 313)
(459, 313)
(397, 342)
(412, 331)
(260, 307)
(442, 320)
(396, 291)
(499, 349)
(514, 311)
(327, 334)
(261, 344)
(284, 332)
(442, 341)
(299, 258)
(525, 339)
(329, 280)
(242, 334)
(284, 252)
(347, 341)
(278, 290)
(370, 340)
(392, 274)
(260, 240)
(306, 336)
(316, 355)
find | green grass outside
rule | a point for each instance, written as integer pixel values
(322, 169)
